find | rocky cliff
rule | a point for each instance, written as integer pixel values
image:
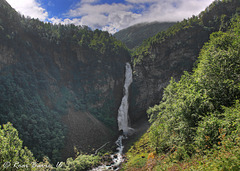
(166, 60)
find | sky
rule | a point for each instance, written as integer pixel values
(109, 15)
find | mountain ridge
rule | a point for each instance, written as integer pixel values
(134, 35)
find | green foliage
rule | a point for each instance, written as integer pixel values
(177, 115)
(12, 152)
(74, 36)
(137, 161)
(82, 162)
(208, 132)
(196, 125)
(186, 104)
(215, 128)
(222, 135)
(39, 127)
(138, 153)
(50, 68)
(216, 145)
(226, 157)
(218, 70)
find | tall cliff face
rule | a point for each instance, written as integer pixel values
(166, 60)
(170, 53)
(61, 86)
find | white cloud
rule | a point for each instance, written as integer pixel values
(116, 16)
(55, 20)
(29, 8)
(117, 21)
(89, 9)
(173, 10)
(141, 1)
(88, 1)
(108, 17)
(76, 21)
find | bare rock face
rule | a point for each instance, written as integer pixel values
(6, 56)
(165, 60)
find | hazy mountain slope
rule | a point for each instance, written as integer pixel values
(133, 36)
(46, 70)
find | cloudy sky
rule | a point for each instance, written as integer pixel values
(110, 15)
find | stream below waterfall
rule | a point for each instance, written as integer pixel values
(123, 121)
(117, 158)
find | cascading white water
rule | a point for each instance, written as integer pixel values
(123, 109)
(122, 123)
(117, 158)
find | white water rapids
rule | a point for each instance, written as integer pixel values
(122, 124)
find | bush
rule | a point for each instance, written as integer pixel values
(12, 152)
(191, 108)
(82, 162)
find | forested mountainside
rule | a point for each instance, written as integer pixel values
(133, 36)
(54, 79)
(196, 126)
(61, 86)
(170, 53)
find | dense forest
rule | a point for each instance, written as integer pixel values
(47, 71)
(54, 76)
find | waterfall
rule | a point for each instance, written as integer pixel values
(122, 124)
(123, 109)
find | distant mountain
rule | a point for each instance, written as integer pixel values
(134, 36)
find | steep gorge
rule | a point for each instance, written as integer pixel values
(61, 86)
